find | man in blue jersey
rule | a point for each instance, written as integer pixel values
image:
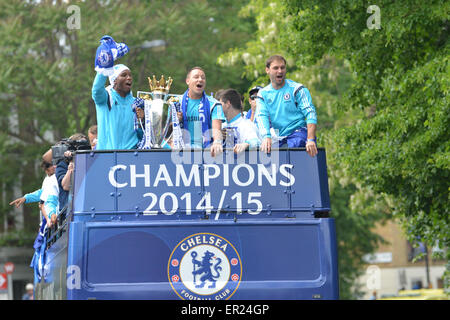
(287, 107)
(201, 115)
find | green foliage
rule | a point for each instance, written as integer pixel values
(402, 74)
(18, 239)
(355, 207)
(47, 68)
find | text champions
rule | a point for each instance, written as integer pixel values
(241, 175)
(231, 179)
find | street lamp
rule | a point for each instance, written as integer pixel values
(155, 45)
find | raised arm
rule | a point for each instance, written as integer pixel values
(99, 94)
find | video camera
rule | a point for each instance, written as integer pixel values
(64, 145)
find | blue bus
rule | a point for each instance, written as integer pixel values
(161, 224)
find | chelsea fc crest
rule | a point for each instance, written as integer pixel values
(104, 58)
(204, 266)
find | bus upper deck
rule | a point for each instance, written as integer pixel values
(157, 224)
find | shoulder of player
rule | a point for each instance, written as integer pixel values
(293, 85)
(244, 122)
(213, 102)
(266, 89)
(262, 92)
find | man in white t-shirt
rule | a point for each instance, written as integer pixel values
(49, 199)
(241, 132)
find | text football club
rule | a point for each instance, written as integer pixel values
(204, 266)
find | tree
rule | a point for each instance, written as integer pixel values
(355, 207)
(402, 147)
(48, 48)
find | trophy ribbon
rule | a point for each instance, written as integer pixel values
(177, 135)
(148, 125)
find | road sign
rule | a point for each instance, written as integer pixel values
(3, 281)
(9, 267)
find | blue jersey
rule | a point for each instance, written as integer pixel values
(286, 109)
(115, 119)
(33, 197)
(194, 122)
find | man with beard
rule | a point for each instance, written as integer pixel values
(287, 106)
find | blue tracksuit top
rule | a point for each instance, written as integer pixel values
(115, 127)
(287, 109)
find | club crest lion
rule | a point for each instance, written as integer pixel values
(204, 269)
(205, 266)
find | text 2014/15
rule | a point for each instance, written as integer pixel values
(169, 207)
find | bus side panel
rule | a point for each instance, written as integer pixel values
(53, 282)
(286, 259)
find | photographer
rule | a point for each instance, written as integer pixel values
(63, 157)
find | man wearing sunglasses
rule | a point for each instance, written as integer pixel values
(252, 101)
(286, 106)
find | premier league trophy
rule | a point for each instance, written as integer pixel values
(160, 110)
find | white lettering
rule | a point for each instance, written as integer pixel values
(162, 203)
(259, 205)
(207, 176)
(287, 174)
(163, 172)
(74, 277)
(251, 174)
(194, 174)
(134, 175)
(184, 178)
(271, 178)
(373, 281)
(149, 210)
(226, 178)
(191, 242)
(188, 197)
(197, 240)
(74, 21)
(112, 173)
(374, 21)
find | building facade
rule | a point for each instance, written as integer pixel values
(392, 267)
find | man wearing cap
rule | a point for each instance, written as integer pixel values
(115, 116)
(29, 294)
(252, 101)
(287, 107)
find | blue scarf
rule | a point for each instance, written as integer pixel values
(204, 109)
(249, 114)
